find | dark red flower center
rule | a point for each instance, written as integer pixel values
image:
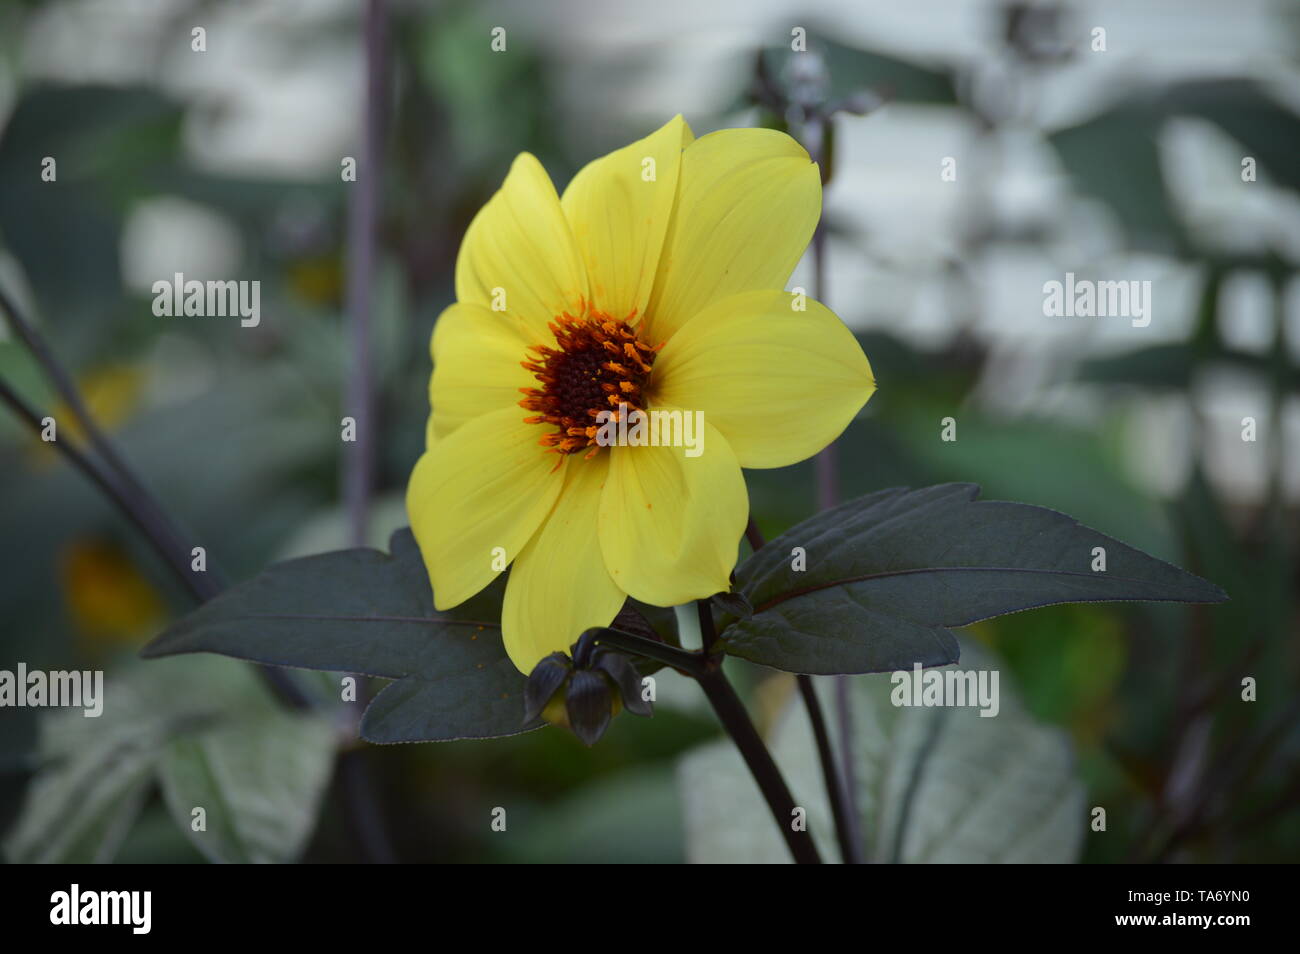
(597, 363)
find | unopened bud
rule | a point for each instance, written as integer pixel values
(584, 696)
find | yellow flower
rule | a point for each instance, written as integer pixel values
(656, 281)
(110, 600)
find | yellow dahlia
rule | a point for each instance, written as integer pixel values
(656, 282)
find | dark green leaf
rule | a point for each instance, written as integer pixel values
(733, 603)
(367, 612)
(887, 575)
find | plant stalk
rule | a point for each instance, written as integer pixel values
(731, 713)
(688, 662)
(359, 459)
(734, 718)
(816, 133)
(842, 809)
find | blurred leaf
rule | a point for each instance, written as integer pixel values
(79, 812)
(1071, 678)
(21, 372)
(631, 816)
(933, 785)
(1115, 158)
(367, 612)
(887, 574)
(1158, 366)
(1056, 465)
(259, 782)
(1173, 366)
(1256, 630)
(853, 69)
(1248, 113)
(102, 139)
(96, 772)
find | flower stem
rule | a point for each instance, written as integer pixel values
(841, 805)
(106, 480)
(116, 477)
(358, 476)
(359, 456)
(731, 713)
(119, 483)
(816, 134)
(734, 718)
(708, 634)
(707, 671)
(688, 662)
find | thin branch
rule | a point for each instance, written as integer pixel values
(131, 495)
(1239, 759)
(145, 519)
(826, 464)
(734, 718)
(105, 481)
(848, 765)
(708, 633)
(359, 461)
(842, 808)
(365, 819)
(688, 662)
(731, 713)
(816, 133)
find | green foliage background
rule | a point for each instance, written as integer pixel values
(1148, 695)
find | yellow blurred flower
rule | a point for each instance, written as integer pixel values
(110, 601)
(655, 281)
(318, 280)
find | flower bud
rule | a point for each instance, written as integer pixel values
(583, 693)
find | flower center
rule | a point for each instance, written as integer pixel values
(597, 364)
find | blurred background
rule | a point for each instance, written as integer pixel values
(1123, 162)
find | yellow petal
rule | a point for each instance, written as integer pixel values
(476, 365)
(748, 201)
(430, 436)
(519, 248)
(483, 486)
(619, 207)
(670, 525)
(779, 383)
(558, 586)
